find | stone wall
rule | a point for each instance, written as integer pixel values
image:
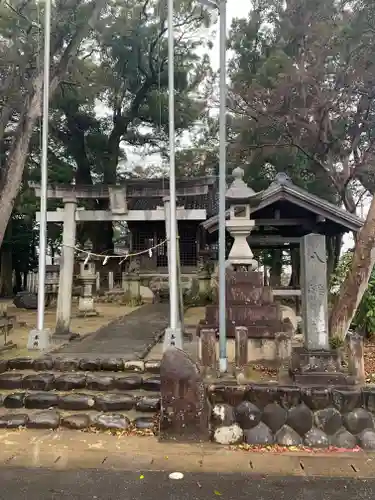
(293, 416)
(108, 394)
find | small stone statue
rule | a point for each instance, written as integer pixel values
(134, 266)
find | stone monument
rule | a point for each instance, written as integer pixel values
(255, 329)
(315, 362)
(184, 405)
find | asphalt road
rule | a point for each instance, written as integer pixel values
(44, 484)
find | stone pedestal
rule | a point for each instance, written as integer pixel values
(204, 283)
(255, 329)
(132, 285)
(318, 367)
(86, 306)
(39, 340)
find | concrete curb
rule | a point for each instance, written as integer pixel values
(65, 450)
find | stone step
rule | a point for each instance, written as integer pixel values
(82, 401)
(237, 278)
(304, 361)
(248, 294)
(245, 314)
(69, 381)
(324, 379)
(72, 364)
(86, 421)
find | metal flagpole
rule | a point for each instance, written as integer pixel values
(222, 188)
(44, 170)
(173, 334)
(221, 6)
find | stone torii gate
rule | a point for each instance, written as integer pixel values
(72, 214)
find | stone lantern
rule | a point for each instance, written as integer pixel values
(87, 277)
(240, 198)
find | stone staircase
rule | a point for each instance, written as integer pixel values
(85, 394)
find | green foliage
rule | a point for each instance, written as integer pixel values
(126, 71)
(341, 271)
(336, 343)
(364, 319)
(302, 76)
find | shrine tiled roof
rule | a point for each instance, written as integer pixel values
(199, 201)
(195, 194)
(282, 189)
(144, 194)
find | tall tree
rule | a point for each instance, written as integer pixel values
(22, 77)
(127, 74)
(303, 78)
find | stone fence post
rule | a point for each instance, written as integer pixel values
(356, 359)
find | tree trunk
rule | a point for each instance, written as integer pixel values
(18, 280)
(11, 176)
(295, 261)
(103, 239)
(6, 273)
(13, 170)
(276, 267)
(355, 284)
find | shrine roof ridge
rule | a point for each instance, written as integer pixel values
(282, 189)
(150, 187)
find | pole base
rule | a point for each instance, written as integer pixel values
(223, 365)
(39, 340)
(64, 338)
(172, 338)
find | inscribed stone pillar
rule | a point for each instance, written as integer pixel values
(314, 291)
(64, 300)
